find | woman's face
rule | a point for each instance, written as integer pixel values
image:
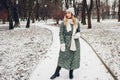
(68, 15)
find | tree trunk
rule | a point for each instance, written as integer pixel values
(9, 7)
(102, 13)
(83, 21)
(57, 22)
(10, 19)
(33, 13)
(74, 5)
(119, 12)
(89, 10)
(66, 4)
(16, 16)
(31, 2)
(33, 17)
(89, 21)
(3, 21)
(28, 22)
(98, 10)
(113, 9)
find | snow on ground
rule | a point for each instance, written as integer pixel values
(21, 50)
(104, 24)
(91, 67)
(104, 37)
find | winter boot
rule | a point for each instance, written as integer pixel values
(71, 74)
(56, 74)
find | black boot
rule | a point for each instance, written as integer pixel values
(56, 74)
(71, 74)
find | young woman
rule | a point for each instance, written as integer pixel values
(69, 56)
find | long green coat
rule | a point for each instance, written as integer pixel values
(69, 60)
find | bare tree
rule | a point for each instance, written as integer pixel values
(3, 11)
(98, 10)
(66, 4)
(113, 9)
(83, 21)
(105, 10)
(119, 11)
(30, 6)
(12, 13)
(89, 11)
(74, 5)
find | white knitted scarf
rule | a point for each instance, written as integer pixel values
(73, 45)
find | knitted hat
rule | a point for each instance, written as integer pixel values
(71, 10)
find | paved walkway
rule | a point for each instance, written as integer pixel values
(91, 67)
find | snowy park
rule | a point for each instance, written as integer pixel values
(32, 53)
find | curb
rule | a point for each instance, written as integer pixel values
(111, 73)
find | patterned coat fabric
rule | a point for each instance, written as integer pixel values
(69, 60)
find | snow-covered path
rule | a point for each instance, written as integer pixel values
(91, 67)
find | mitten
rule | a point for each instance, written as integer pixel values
(77, 35)
(62, 47)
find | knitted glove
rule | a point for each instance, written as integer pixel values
(62, 47)
(77, 35)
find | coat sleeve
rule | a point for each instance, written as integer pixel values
(61, 33)
(78, 29)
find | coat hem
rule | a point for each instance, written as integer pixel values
(68, 68)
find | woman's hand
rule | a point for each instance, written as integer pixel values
(62, 47)
(77, 35)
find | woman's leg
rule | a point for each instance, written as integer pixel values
(57, 73)
(71, 74)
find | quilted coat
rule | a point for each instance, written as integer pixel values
(69, 60)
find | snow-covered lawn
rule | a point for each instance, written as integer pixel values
(104, 24)
(104, 37)
(21, 50)
(91, 67)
